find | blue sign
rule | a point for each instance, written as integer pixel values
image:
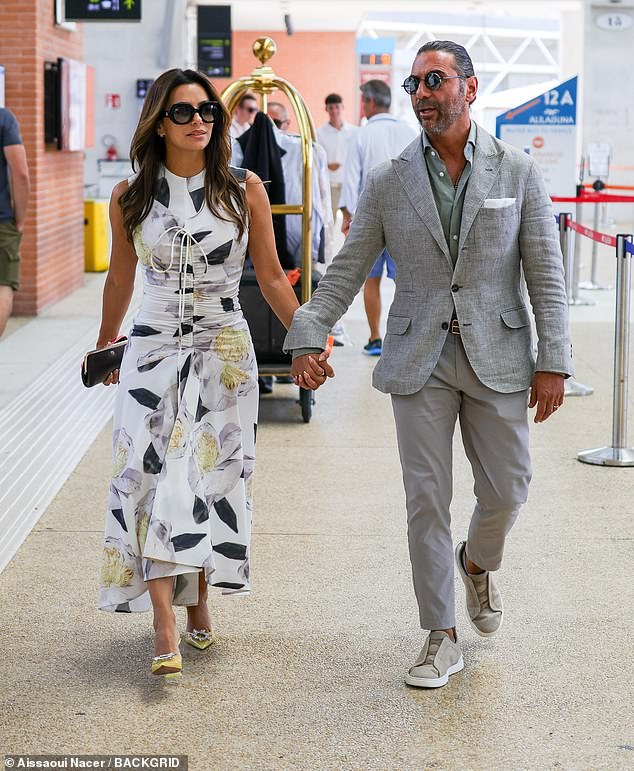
(375, 45)
(545, 127)
(556, 107)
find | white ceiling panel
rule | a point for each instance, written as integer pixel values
(341, 15)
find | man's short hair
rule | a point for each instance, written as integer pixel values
(464, 65)
(277, 107)
(334, 99)
(379, 91)
(246, 98)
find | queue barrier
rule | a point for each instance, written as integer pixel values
(610, 187)
(585, 196)
(572, 387)
(618, 453)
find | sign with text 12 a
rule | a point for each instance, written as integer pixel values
(546, 128)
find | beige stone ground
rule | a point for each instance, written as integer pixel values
(308, 671)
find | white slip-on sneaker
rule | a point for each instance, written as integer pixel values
(439, 658)
(483, 598)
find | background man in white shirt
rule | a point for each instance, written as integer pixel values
(243, 116)
(383, 137)
(321, 221)
(334, 137)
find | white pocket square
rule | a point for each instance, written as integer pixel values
(498, 203)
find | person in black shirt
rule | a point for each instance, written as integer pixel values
(14, 194)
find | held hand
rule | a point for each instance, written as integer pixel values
(334, 166)
(312, 370)
(547, 393)
(345, 227)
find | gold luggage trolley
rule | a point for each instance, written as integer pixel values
(263, 81)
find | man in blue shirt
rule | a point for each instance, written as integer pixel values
(14, 194)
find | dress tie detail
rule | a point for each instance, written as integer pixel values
(184, 242)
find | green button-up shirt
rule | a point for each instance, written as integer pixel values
(449, 201)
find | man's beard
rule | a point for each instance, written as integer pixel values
(446, 115)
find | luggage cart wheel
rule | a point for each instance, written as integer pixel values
(306, 400)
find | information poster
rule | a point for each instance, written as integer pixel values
(546, 128)
(214, 40)
(73, 104)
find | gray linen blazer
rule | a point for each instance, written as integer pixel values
(497, 239)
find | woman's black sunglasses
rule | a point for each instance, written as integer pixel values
(433, 81)
(182, 113)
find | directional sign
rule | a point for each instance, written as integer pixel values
(102, 10)
(214, 40)
(546, 128)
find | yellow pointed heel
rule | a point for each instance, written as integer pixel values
(201, 639)
(167, 663)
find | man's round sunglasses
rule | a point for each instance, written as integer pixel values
(433, 81)
(182, 113)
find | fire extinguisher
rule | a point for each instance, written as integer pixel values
(109, 142)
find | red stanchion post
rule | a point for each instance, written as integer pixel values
(564, 242)
(575, 299)
(618, 454)
(572, 387)
(598, 186)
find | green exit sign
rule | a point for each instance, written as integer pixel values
(102, 10)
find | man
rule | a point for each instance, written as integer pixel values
(382, 137)
(462, 214)
(243, 115)
(14, 195)
(334, 136)
(279, 115)
(322, 224)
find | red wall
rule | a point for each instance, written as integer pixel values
(53, 246)
(315, 63)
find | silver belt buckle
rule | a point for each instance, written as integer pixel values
(455, 327)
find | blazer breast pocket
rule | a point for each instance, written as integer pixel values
(498, 220)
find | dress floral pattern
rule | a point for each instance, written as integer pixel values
(185, 417)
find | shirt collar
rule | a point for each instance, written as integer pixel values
(382, 116)
(468, 148)
(344, 126)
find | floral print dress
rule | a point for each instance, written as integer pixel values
(185, 416)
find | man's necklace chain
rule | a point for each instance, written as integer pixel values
(457, 182)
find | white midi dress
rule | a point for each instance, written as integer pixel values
(185, 416)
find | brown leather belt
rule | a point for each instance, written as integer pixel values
(455, 327)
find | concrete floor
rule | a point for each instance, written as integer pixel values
(308, 671)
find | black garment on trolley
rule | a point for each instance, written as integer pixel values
(263, 156)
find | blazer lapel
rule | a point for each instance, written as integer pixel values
(411, 170)
(486, 165)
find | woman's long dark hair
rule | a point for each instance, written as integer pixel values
(223, 194)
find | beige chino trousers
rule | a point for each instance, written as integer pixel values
(495, 436)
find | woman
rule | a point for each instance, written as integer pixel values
(179, 509)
